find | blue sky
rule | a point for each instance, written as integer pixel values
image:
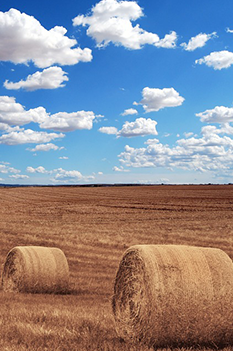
(116, 92)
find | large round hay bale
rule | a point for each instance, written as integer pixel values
(35, 269)
(174, 295)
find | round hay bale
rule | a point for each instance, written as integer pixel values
(166, 295)
(35, 269)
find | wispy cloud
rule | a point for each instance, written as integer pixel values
(45, 147)
(198, 41)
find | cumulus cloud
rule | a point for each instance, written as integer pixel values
(5, 168)
(28, 136)
(218, 59)
(111, 21)
(210, 152)
(45, 147)
(49, 78)
(140, 127)
(24, 39)
(220, 114)
(168, 42)
(39, 169)
(108, 130)
(155, 99)
(67, 175)
(74, 176)
(225, 128)
(67, 122)
(3, 126)
(13, 113)
(129, 111)
(61, 175)
(198, 41)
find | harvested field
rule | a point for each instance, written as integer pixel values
(93, 226)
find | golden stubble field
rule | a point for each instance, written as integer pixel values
(94, 226)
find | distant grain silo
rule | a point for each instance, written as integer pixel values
(35, 269)
(166, 295)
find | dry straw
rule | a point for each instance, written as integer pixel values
(166, 295)
(35, 269)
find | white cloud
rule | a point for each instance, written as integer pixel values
(151, 141)
(111, 21)
(210, 152)
(119, 169)
(108, 130)
(61, 175)
(39, 169)
(12, 113)
(218, 59)
(24, 39)
(45, 147)
(67, 122)
(5, 168)
(225, 128)
(188, 134)
(220, 114)
(28, 136)
(3, 126)
(140, 127)
(155, 99)
(129, 111)
(168, 42)
(228, 30)
(19, 176)
(63, 158)
(198, 41)
(49, 78)
(74, 176)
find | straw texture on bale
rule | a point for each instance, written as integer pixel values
(166, 295)
(35, 269)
